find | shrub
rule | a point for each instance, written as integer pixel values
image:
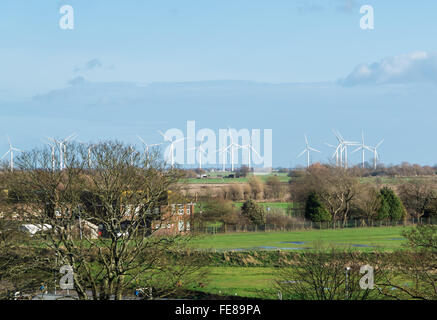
(391, 206)
(315, 210)
(254, 212)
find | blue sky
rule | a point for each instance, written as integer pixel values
(91, 79)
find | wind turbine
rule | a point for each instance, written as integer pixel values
(335, 154)
(201, 151)
(375, 153)
(232, 146)
(362, 147)
(343, 148)
(172, 143)
(307, 150)
(11, 152)
(223, 151)
(62, 148)
(52, 147)
(250, 148)
(147, 146)
(90, 146)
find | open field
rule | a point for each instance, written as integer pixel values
(253, 282)
(217, 178)
(367, 239)
(258, 282)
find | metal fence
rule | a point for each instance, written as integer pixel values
(310, 225)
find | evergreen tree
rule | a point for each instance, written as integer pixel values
(254, 212)
(391, 206)
(315, 210)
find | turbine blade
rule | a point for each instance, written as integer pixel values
(379, 143)
(313, 149)
(357, 149)
(300, 154)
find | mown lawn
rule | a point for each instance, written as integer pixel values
(367, 239)
(255, 282)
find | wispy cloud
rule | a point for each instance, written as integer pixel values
(76, 81)
(417, 67)
(346, 6)
(90, 65)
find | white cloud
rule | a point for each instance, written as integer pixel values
(417, 67)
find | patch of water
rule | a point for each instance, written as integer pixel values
(294, 242)
(362, 246)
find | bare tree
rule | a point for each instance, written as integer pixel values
(418, 196)
(112, 188)
(335, 187)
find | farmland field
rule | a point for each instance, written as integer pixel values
(218, 178)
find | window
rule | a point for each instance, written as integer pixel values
(187, 224)
(180, 225)
(181, 210)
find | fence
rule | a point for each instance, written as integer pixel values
(310, 225)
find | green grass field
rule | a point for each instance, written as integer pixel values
(254, 282)
(367, 239)
(258, 282)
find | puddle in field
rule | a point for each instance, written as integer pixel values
(280, 248)
(362, 246)
(294, 242)
(396, 239)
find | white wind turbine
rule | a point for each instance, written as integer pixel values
(224, 152)
(11, 152)
(375, 153)
(52, 147)
(147, 146)
(362, 147)
(343, 144)
(62, 148)
(200, 151)
(336, 153)
(232, 147)
(250, 148)
(90, 147)
(307, 150)
(172, 143)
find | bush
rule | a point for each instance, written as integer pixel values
(279, 218)
(256, 186)
(254, 212)
(315, 210)
(235, 192)
(391, 206)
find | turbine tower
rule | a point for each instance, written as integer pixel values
(250, 148)
(62, 148)
(11, 152)
(375, 153)
(52, 147)
(201, 151)
(232, 146)
(172, 143)
(362, 147)
(224, 152)
(307, 150)
(147, 146)
(335, 154)
(343, 144)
